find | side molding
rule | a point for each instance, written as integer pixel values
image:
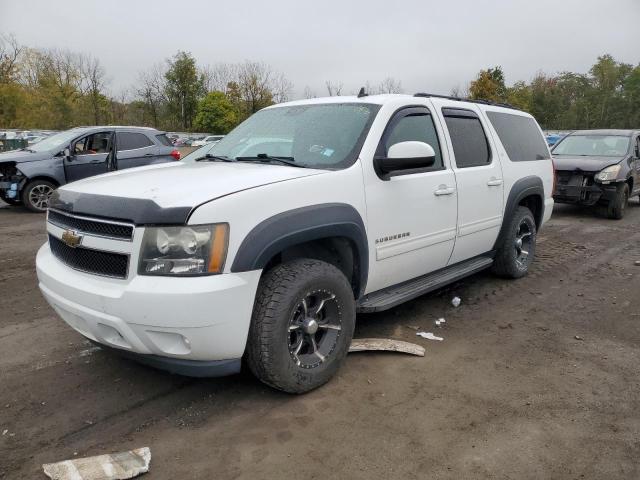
(302, 225)
(524, 187)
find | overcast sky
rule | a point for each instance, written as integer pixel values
(428, 45)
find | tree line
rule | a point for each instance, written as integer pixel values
(59, 89)
(608, 96)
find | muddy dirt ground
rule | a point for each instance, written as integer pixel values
(535, 378)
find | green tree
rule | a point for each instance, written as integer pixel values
(215, 114)
(489, 85)
(184, 87)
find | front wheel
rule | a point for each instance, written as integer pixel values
(302, 324)
(518, 246)
(618, 205)
(36, 194)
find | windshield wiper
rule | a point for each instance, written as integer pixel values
(263, 157)
(214, 158)
(30, 150)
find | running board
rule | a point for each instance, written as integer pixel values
(395, 295)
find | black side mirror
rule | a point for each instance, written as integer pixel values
(637, 151)
(406, 156)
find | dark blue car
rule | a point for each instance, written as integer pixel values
(30, 175)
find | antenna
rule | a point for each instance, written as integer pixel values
(362, 93)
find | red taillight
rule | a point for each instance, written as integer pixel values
(175, 154)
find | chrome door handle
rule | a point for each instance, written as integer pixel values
(494, 182)
(444, 190)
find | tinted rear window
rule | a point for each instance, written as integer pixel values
(164, 140)
(520, 136)
(131, 141)
(469, 142)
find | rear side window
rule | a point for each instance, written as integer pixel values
(164, 140)
(470, 144)
(416, 126)
(131, 141)
(520, 136)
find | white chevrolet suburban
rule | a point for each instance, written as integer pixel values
(267, 245)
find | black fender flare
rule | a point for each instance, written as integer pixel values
(531, 185)
(301, 225)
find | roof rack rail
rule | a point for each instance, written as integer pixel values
(458, 99)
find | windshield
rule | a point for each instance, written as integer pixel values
(325, 136)
(593, 145)
(59, 140)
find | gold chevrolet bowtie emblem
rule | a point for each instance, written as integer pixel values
(71, 238)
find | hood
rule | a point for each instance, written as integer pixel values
(584, 163)
(20, 156)
(178, 184)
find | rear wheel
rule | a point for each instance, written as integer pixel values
(518, 247)
(618, 205)
(302, 324)
(36, 194)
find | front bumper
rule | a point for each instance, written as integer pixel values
(185, 325)
(588, 196)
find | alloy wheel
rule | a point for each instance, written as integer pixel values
(39, 196)
(314, 328)
(523, 243)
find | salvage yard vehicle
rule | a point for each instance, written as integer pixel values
(193, 265)
(30, 175)
(598, 167)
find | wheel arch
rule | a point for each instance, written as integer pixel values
(332, 232)
(527, 192)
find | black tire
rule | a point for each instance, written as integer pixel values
(34, 193)
(618, 206)
(514, 257)
(10, 201)
(280, 351)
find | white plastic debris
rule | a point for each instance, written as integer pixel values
(388, 344)
(115, 466)
(429, 336)
(4, 432)
(440, 321)
(455, 301)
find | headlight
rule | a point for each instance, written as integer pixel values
(609, 173)
(189, 250)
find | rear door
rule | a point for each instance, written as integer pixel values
(88, 156)
(479, 179)
(134, 149)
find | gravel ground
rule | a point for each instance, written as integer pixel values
(535, 378)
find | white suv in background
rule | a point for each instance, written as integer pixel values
(342, 204)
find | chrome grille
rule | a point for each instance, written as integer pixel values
(107, 264)
(91, 226)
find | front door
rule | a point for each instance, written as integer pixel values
(411, 217)
(480, 183)
(88, 156)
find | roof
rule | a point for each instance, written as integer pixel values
(604, 131)
(389, 98)
(117, 127)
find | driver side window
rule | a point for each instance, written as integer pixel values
(415, 126)
(93, 144)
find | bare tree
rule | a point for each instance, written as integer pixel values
(151, 90)
(94, 83)
(10, 52)
(255, 80)
(334, 89)
(218, 77)
(308, 93)
(281, 88)
(390, 85)
(460, 92)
